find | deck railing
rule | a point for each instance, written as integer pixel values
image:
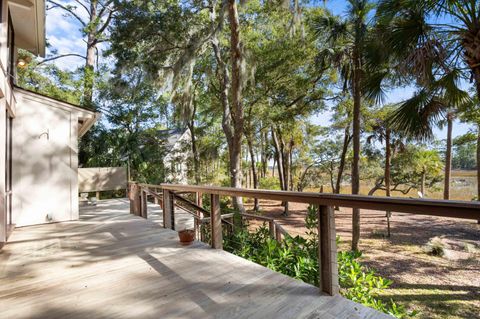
(170, 195)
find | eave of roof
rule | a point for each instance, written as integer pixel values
(68, 104)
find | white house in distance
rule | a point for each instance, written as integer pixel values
(177, 145)
(38, 135)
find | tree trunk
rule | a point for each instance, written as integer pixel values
(256, 206)
(357, 100)
(422, 184)
(279, 159)
(89, 72)
(448, 157)
(478, 162)
(196, 157)
(273, 166)
(279, 146)
(263, 155)
(236, 58)
(388, 152)
(341, 167)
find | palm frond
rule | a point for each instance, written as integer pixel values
(416, 117)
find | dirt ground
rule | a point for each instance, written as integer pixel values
(437, 287)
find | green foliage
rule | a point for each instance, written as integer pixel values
(49, 80)
(464, 151)
(269, 183)
(297, 257)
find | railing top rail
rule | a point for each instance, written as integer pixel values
(456, 209)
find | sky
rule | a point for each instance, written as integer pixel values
(64, 36)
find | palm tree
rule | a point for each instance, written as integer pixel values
(345, 50)
(432, 40)
(437, 102)
(382, 132)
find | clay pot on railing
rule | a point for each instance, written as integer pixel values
(186, 236)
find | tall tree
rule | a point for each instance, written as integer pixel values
(94, 16)
(346, 47)
(426, 47)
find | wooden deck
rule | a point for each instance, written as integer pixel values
(110, 264)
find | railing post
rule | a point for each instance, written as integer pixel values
(216, 222)
(278, 233)
(199, 199)
(327, 251)
(271, 229)
(155, 199)
(143, 196)
(168, 210)
(134, 199)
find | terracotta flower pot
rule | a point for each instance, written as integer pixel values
(186, 236)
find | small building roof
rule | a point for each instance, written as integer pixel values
(171, 136)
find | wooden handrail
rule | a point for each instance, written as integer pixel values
(189, 203)
(445, 208)
(252, 216)
(327, 260)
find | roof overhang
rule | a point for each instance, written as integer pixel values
(28, 19)
(86, 117)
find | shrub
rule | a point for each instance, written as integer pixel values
(435, 247)
(269, 182)
(297, 257)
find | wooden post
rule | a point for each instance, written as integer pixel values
(144, 203)
(155, 199)
(134, 199)
(216, 222)
(199, 199)
(327, 251)
(278, 233)
(168, 210)
(97, 195)
(271, 229)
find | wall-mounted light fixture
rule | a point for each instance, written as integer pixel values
(22, 62)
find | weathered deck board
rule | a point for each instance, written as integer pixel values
(110, 264)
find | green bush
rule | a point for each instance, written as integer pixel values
(269, 182)
(297, 257)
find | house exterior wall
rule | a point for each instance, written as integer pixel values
(45, 169)
(176, 160)
(7, 104)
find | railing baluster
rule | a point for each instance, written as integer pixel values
(168, 210)
(144, 203)
(271, 229)
(216, 222)
(327, 251)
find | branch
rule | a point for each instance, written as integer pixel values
(61, 56)
(105, 24)
(105, 7)
(69, 10)
(84, 6)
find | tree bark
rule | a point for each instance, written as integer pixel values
(357, 100)
(196, 157)
(346, 142)
(388, 152)
(279, 146)
(448, 157)
(256, 206)
(478, 162)
(422, 184)
(89, 73)
(237, 61)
